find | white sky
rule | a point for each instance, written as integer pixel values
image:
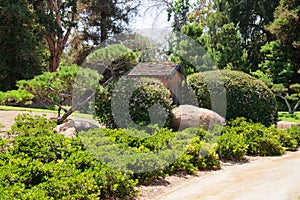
(153, 18)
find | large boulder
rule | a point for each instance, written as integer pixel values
(186, 116)
(67, 129)
(286, 125)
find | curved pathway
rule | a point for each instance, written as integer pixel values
(263, 178)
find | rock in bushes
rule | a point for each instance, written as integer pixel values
(246, 96)
(286, 125)
(186, 116)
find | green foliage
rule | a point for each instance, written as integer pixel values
(114, 61)
(250, 17)
(40, 163)
(16, 98)
(179, 10)
(163, 151)
(246, 96)
(232, 146)
(225, 47)
(69, 86)
(21, 47)
(261, 140)
(134, 105)
(295, 133)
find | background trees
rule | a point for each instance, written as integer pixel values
(97, 21)
(21, 45)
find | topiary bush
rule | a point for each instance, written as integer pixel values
(246, 96)
(132, 102)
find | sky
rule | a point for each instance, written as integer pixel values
(152, 18)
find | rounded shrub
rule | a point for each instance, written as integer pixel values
(246, 96)
(130, 100)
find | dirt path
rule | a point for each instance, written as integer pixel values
(7, 119)
(276, 178)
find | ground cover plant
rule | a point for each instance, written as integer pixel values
(39, 163)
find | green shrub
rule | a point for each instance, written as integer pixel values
(261, 140)
(16, 98)
(134, 105)
(163, 151)
(246, 96)
(232, 146)
(265, 146)
(285, 138)
(40, 163)
(295, 133)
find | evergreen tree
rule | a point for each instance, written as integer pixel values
(21, 46)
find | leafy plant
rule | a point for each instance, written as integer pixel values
(40, 163)
(16, 98)
(69, 88)
(246, 96)
(232, 146)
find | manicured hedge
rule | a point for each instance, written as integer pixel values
(128, 102)
(246, 96)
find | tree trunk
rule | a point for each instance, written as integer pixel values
(287, 104)
(296, 106)
(55, 61)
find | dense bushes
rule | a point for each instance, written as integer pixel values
(16, 98)
(107, 163)
(129, 102)
(255, 139)
(149, 157)
(246, 96)
(39, 163)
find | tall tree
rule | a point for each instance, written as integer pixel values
(21, 46)
(282, 56)
(57, 18)
(286, 28)
(225, 46)
(98, 21)
(251, 17)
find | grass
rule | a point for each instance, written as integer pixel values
(76, 114)
(289, 117)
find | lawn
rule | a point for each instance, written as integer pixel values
(289, 117)
(76, 114)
